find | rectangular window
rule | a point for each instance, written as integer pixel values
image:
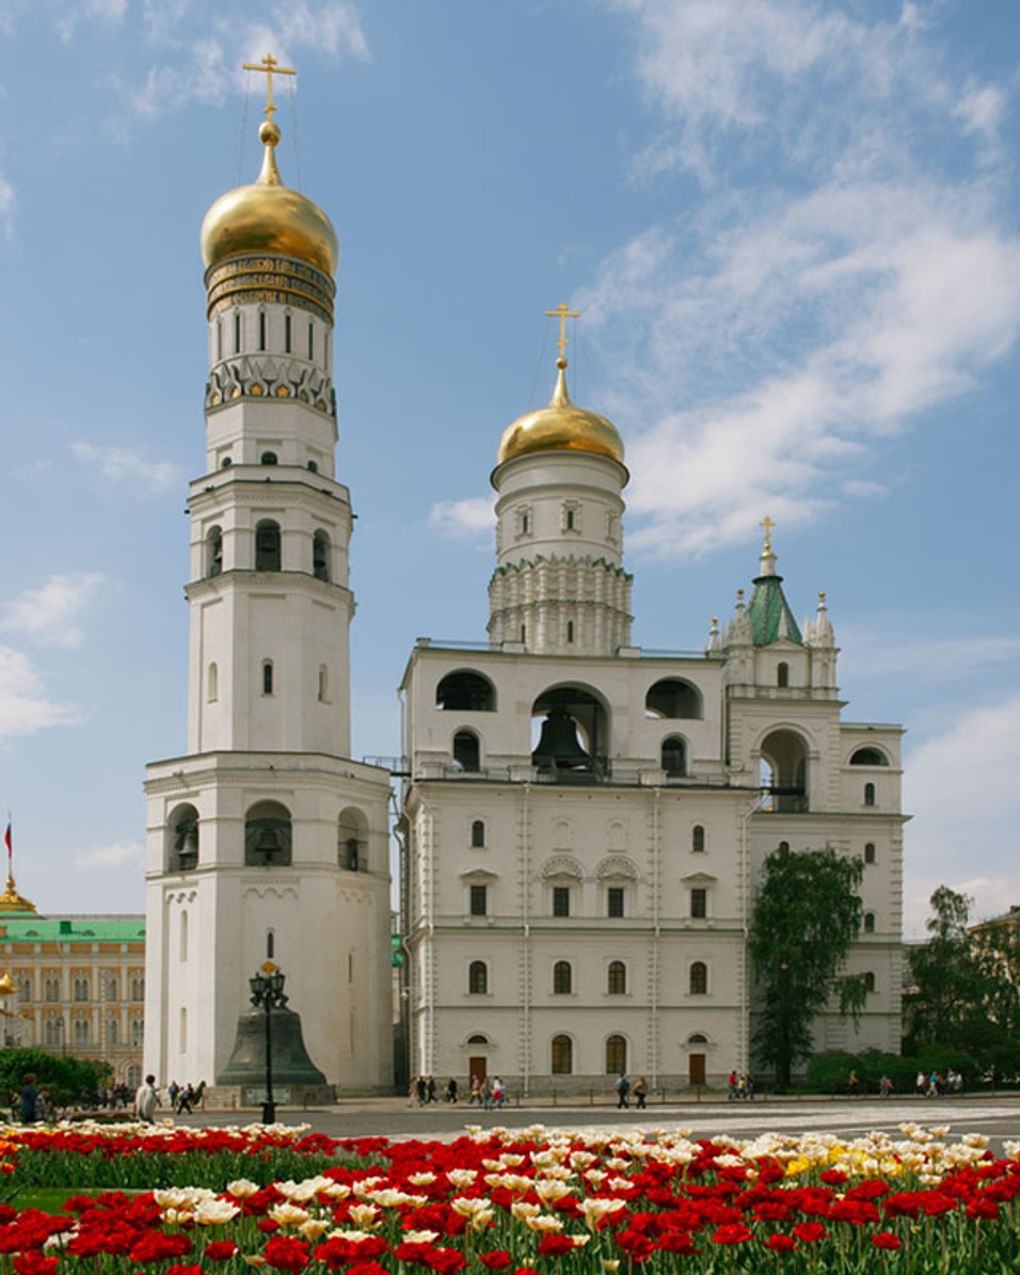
(699, 903)
(479, 900)
(286, 333)
(614, 900)
(561, 900)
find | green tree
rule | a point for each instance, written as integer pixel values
(67, 1080)
(806, 915)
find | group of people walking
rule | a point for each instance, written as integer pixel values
(739, 1086)
(624, 1088)
(488, 1091)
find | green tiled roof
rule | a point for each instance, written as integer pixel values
(771, 617)
(26, 927)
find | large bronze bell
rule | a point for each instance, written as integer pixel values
(558, 746)
(291, 1064)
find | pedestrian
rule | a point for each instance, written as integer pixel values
(853, 1085)
(451, 1089)
(173, 1091)
(885, 1087)
(641, 1092)
(622, 1090)
(920, 1085)
(184, 1099)
(431, 1089)
(748, 1080)
(29, 1099)
(476, 1091)
(421, 1090)
(731, 1085)
(147, 1100)
(498, 1092)
(487, 1095)
(200, 1095)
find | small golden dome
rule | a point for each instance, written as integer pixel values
(561, 426)
(269, 217)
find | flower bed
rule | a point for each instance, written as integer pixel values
(553, 1203)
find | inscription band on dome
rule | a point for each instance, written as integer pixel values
(280, 280)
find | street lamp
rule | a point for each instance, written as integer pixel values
(267, 993)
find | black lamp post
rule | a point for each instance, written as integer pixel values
(267, 993)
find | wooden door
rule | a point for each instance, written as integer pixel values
(696, 1069)
(476, 1067)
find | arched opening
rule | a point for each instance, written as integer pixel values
(478, 978)
(214, 551)
(674, 757)
(869, 757)
(562, 1056)
(182, 839)
(869, 852)
(477, 834)
(563, 978)
(675, 698)
(616, 978)
(270, 944)
(698, 979)
(267, 677)
(698, 839)
(466, 692)
(783, 674)
(267, 835)
(352, 840)
(572, 725)
(213, 683)
(320, 556)
(869, 981)
(869, 923)
(478, 1039)
(869, 794)
(784, 754)
(466, 752)
(269, 458)
(616, 1055)
(267, 546)
(323, 684)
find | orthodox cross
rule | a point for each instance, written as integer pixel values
(768, 524)
(269, 67)
(563, 312)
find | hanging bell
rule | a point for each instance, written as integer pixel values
(558, 745)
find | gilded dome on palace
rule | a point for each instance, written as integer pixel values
(561, 426)
(269, 217)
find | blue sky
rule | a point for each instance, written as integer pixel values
(792, 228)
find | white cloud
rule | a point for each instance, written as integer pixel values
(112, 856)
(24, 706)
(6, 208)
(892, 649)
(981, 110)
(471, 518)
(961, 786)
(47, 613)
(121, 464)
(68, 18)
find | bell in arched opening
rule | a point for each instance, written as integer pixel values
(558, 746)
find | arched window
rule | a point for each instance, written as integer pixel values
(869, 757)
(674, 698)
(54, 1031)
(616, 1055)
(323, 683)
(269, 458)
(570, 631)
(213, 683)
(182, 840)
(698, 982)
(869, 981)
(478, 978)
(869, 794)
(184, 936)
(138, 988)
(214, 551)
(270, 944)
(783, 674)
(784, 756)
(563, 978)
(313, 466)
(478, 1039)
(698, 839)
(320, 556)
(562, 1056)
(51, 989)
(137, 1032)
(237, 332)
(81, 1031)
(466, 692)
(616, 978)
(869, 852)
(267, 835)
(674, 757)
(286, 333)
(352, 840)
(478, 834)
(869, 923)
(112, 1033)
(783, 847)
(267, 677)
(267, 546)
(466, 751)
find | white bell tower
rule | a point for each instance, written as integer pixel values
(265, 840)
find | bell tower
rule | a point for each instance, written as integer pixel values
(265, 840)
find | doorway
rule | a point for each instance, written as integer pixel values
(696, 1069)
(476, 1067)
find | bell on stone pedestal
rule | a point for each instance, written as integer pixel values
(558, 745)
(291, 1064)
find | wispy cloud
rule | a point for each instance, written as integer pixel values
(24, 704)
(471, 518)
(895, 648)
(121, 464)
(115, 855)
(49, 612)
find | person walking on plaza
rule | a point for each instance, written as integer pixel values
(731, 1086)
(185, 1098)
(498, 1092)
(29, 1100)
(430, 1088)
(147, 1100)
(622, 1090)
(476, 1091)
(451, 1089)
(641, 1092)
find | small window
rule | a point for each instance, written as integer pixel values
(313, 466)
(699, 903)
(698, 979)
(138, 989)
(561, 1056)
(478, 1039)
(479, 900)
(262, 329)
(616, 978)
(525, 524)
(286, 333)
(219, 340)
(213, 683)
(869, 852)
(869, 923)
(784, 847)
(226, 462)
(80, 989)
(214, 552)
(237, 332)
(869, 981)
(674, 757)
(869, 757)
(478, 834)
(570, 630)
(267, 546)
(270, 945)
(563, 978)
(81, 1031)
(311, 341)
(561, 900)
(524, 633)
(614, 900)
(783, 675)
(698, 839)
(478, 978)
(269, 458)
(616, 1056)
(323, 683)
(466, 751)
(869, 794)
(320, 556)
(267, 677)
(570, 520)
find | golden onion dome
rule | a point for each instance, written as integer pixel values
(269, 217)
(561, 426)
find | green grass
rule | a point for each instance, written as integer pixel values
(47, 1198)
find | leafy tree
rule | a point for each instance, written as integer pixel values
(806, 915)
(66, 1079)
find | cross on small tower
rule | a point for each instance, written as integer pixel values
(768, 524)
(269, 67)
(563, 312)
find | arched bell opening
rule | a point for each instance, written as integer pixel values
(785, 771)
(352, 840)
(465, 691)
(267, 835)
(570, 733)
(182, 839)
(672, 697)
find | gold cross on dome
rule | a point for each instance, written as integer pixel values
(269, 67)
(768, 524)
(563, 312)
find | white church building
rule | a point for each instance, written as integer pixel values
(582, 821)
